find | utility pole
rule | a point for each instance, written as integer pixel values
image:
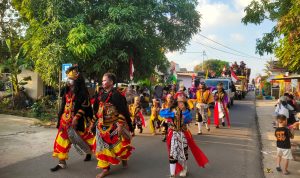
(203, 54)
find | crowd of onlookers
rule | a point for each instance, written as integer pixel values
(287, 112)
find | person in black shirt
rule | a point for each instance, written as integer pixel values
(283, 136)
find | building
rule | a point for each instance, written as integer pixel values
(35, 87)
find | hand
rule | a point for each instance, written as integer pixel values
(89, 130)
(119, 129)
(74, 122)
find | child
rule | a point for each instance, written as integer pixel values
(155, 120)
(166, 105)
(179, 138)
(137, 117)
(283, 135)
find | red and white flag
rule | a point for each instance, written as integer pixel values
(131, 69)
(224, 71)
(234, 78)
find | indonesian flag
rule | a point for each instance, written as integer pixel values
(233, 76)
(131, 69)
(224, 71)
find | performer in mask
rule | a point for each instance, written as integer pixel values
(75, 112)
(221, 110)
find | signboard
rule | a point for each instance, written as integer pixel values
(294, 83)
(65, 67)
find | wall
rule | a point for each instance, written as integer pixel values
(35, 87)
(185, 80)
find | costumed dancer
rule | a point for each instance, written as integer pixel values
(179, 138)
(181, 91)
(166, 105)
(113, 126)
(137, 117)
(73, 118)
(221, 110)
(203, 98)
(155, 119)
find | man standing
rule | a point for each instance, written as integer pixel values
(75, 112)
(203, 98)
(113, 123)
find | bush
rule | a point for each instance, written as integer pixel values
(2, 86)
(37, 109)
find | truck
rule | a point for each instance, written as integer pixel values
(227, 85)
(241, 84)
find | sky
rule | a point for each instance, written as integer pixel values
(221, 22)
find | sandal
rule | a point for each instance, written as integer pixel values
(286, 173)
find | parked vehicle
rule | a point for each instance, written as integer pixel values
(227, 85)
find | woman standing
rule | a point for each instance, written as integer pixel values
(113, 126)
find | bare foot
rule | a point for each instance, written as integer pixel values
(104, 173)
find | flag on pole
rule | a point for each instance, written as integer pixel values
(131, 69)
(206, 77)
(233, 76)
(224, 71)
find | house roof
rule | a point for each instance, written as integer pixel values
(289, 77)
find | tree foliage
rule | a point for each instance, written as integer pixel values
(102, 35)
(284, 39)
(12, 56)
(215, 65)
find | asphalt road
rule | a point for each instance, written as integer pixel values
(232, 153)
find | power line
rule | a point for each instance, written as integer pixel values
(221, 50)
(228, 47)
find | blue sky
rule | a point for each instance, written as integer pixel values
(221, 21)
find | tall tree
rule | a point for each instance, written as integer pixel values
(284, 39)
(215, 65)
(103, 35)
(12, 31)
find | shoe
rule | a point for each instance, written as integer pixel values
(164, 139)
(278, 169)
(88, 157)
(199, 133)
(217, 127)
(223, 124)
(172, 176)
(208, 129)
(124, 163)
(141, 130)
(58, 167)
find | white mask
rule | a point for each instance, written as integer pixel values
(70, 82)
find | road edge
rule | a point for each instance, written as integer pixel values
(259, 138)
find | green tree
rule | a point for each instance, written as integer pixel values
(102, 35)
(284, 39)
(215, 65)
(12, 58)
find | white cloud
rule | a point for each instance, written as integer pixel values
(241, 4)
(237, 37)
(216, 15)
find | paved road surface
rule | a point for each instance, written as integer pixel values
(233, 153)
